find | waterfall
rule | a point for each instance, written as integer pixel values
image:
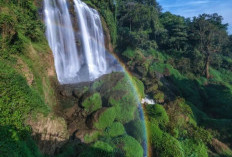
(92, 39)
(76, 63)
(61, 39)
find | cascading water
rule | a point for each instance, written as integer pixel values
(76, 64)
(61, 39)
(92, 39)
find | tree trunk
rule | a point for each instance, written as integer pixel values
(207, 75)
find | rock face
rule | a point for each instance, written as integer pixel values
(50, 132)
(81, 105)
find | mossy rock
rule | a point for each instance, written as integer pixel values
(125, 111)
(116, 129)
(92, 103)
(129, 146)
(102, 118)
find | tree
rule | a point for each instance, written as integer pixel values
(176, 32)
(209, 35)
(138, 25)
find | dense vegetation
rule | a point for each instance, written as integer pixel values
(184, 64)
(21, 32)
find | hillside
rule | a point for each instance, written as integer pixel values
(185, 65)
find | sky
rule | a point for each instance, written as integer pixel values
(190, 8)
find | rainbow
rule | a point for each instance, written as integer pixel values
(141, 107)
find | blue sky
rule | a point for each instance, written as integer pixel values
(190, 8)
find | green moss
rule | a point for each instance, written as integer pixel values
(125, 111)
(115, 129)
(106, 118)
(103, 146)
(92, 137)
(92, 103)
(129, 146)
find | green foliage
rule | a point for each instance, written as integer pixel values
(159, 97)
(175, 37)
(137, 125)
(92, 137)
(164, 144)
(138, 24)
(124, 108)
(106, 118)
(191, 148)
(157, 113)
(130, 148)
(17, 98)
(140, 87)
(103, 146)
(97, 149)
(18, 141)
(19, 25)
(92, 103)
(17, 101)
(115, 129)
(129, 53)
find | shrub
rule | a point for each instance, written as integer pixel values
(129, 53)
(158, 113)
(193, 148)
(170, 147)
(159, 97)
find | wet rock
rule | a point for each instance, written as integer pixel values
(66, 92)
